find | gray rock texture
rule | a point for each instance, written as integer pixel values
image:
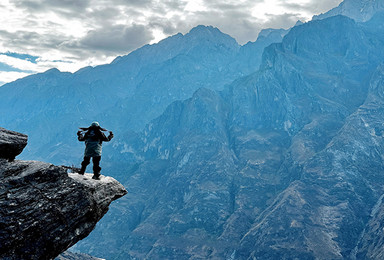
(11, 143)
(76, 256)
(44, 210)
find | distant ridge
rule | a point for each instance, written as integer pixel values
(359, 10)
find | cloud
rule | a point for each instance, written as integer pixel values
(49, 5)
(114, 39)
(231, 4)
(287, 19)
(311, 7)
(28, 40)
(104, 15)
(26, 64)
(7, 68)
(130, 3)
(11, 76)
(21, 56)
(68, 34)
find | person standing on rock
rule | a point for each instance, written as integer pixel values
(93, 137)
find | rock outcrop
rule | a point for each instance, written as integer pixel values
(43, 209)
(11, 143)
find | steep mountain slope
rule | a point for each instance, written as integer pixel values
(323, 214)
(359, 10)
(250, 54)
(282, 164)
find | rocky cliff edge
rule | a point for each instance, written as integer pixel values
(43, 209)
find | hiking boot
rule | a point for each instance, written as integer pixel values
(96, 175)
(82, 170)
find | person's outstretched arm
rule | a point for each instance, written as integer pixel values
(110, 136)
(107, 139)
(80, 136)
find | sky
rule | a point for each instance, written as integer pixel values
(37, 35)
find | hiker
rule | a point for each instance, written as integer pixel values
(93, 138)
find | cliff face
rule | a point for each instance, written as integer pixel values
(44, 210)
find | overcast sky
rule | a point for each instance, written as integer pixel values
(36, 35)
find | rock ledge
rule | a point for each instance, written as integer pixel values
(44, 210)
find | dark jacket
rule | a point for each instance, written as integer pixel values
(93, 138)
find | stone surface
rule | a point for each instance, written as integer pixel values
(11, 143)
(67, 255)
(44, 210)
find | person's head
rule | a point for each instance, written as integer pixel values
(95, 124)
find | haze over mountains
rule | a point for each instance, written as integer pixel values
(270, 150)
(129, 92)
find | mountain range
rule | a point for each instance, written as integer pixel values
(126, 94)
(271, 150)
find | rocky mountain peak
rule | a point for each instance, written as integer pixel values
(359, 10)
(212, 34)
(206, 31)
(267, 33)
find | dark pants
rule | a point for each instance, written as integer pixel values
(96, 166)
